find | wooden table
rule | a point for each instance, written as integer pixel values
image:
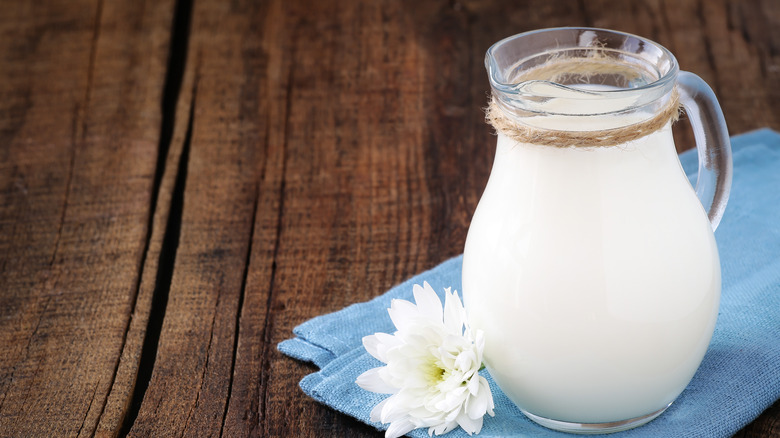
(183, 182)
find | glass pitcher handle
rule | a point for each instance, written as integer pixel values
(713, 183)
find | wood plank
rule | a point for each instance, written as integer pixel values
(224, 159)
(137, 357)
(268, 58)
(81, 84)
(354, 217)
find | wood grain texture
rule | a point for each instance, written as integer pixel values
(191, 384)
(182, 183)
(81, 89)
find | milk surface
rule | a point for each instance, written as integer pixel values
(595, 276)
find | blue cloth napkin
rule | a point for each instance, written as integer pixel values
(738, 379)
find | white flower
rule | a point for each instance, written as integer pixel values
(432, 368)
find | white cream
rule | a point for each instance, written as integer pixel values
(595, 276)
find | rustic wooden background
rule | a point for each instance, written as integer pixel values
(183, 182)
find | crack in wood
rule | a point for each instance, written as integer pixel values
(177, 58)
(240, 308)
(206, 361)
(26, 350)
(69, 179)
(89, 406)
(266, 363)
(164, 278)
(79, 128)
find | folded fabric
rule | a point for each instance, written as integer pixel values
(738, 379)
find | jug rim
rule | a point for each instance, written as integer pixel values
(537, 47)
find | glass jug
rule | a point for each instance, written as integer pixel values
(590, 262)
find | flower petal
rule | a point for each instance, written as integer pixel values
(470, 425)
(372, 344)
(378, 344)
(454, 314)
(372, 380)
(397, 407)
(376, 413)
(399, 428)
(428, 303)
(466, 360)
(473, 386)
(453, 400)
(442, 428)
(476, 406)
(485, 388)
(403, 313)
(479, 342)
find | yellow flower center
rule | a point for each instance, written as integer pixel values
(433, 372)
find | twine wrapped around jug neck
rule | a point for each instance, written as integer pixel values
(554, 72)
